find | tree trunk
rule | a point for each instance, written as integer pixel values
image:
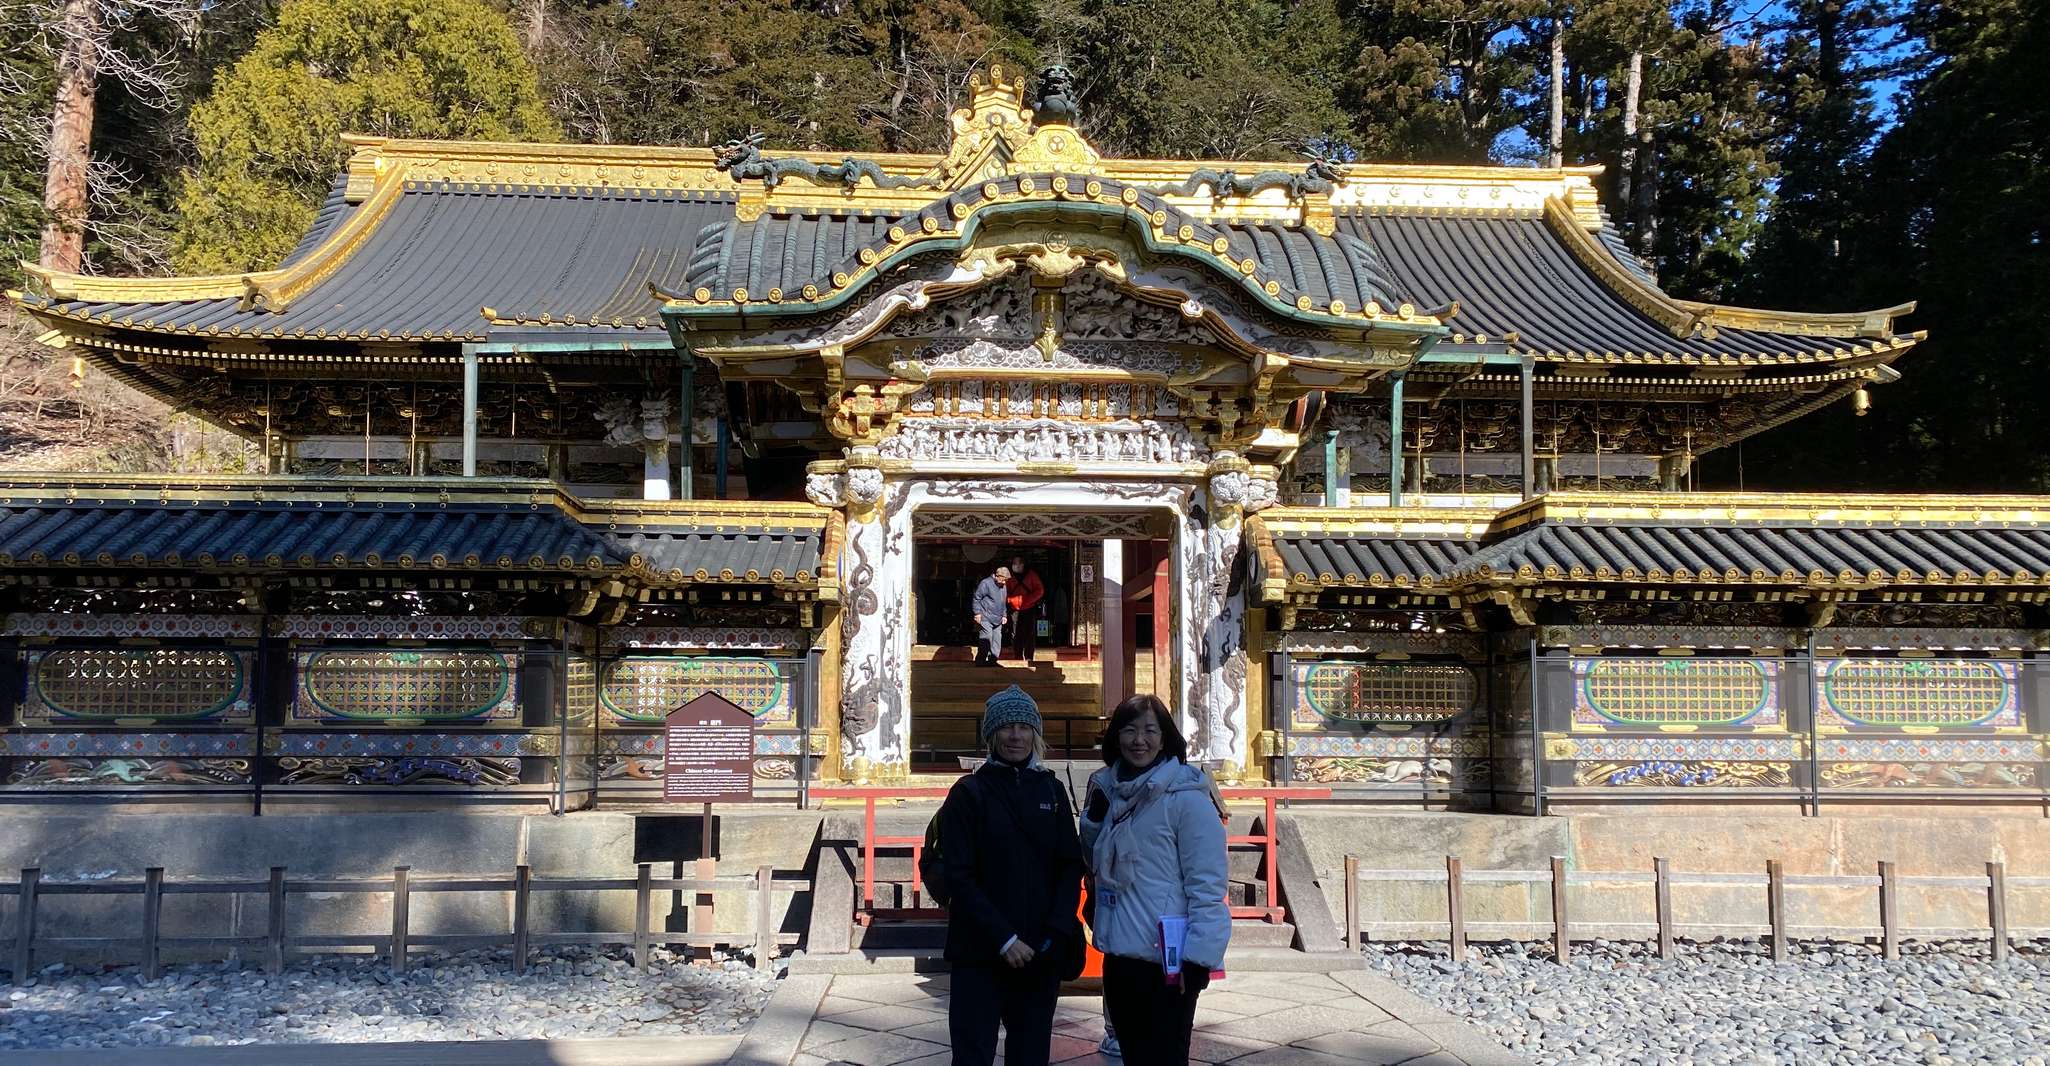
(71, 138)
(537, 27)
(1626, 175)
(1558, 139)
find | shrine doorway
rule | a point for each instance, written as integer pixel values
(1097, 640)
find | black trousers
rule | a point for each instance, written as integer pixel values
(1153, 1019)
(1025, 631)
(1022, 999)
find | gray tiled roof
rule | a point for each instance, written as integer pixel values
(720, 554)
(299, 524)
(281, 536)
(1365, 559)
(1768, 554)
(579, 263)
(1512, 275)
(445, 251)
(786, 251)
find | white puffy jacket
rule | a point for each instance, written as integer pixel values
(1159, 850)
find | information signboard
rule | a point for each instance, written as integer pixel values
(709, 755)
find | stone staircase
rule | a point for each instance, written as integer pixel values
(947, 699)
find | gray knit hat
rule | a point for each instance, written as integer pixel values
(1012, 706)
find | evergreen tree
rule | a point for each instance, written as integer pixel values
(1704, 190)
(1829, 55)
(1220, 79)
(269, 137)
(1439, 81)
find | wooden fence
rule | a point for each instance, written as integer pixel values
(1661, 880)
(761, 937)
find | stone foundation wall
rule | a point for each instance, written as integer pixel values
(1933, 844)
(434, 843)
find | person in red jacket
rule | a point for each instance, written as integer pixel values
(1026, 592)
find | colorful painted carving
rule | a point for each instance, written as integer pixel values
(1916, 693)
(405, 686)
(138, 685)
(1690, 773)
(1655, 692)
(477, 772)
(1356, 692)
(88, 773)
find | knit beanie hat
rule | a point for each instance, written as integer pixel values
(1012, 706)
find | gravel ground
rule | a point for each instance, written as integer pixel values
(356, 999)
(1729, 1003)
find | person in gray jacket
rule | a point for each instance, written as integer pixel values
(1153, 831)
(990, 610)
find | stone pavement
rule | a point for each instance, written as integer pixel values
(1248, 1019)
(615, 1051)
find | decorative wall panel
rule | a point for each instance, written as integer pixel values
(137, 686)
(645, 688)
(411, 771)
(708, 638)
(1756, 761)
(1641, 693)
(1867, 762)
(124, 626)
(423, 627)
(1458, 763)
(400, 744)
(398, 686)
(1916, 694)
(1351, 693)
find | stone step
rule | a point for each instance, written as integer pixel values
(1253, 933)
(1286, 960)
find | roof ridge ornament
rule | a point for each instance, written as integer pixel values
(743, 159)
(1058, 103)
(1319, 178)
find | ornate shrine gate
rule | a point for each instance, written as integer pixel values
(1025, 335)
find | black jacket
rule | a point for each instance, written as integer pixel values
(1012, 859)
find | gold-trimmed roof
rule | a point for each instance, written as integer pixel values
(1841, 542)
(509, 193)
(255, 525)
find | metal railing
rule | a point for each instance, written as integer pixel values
(1066, 749)
(1778, 931)
(1272, 911)
(761, 939)
(866, 910)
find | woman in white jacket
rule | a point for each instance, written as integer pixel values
(1153, 831)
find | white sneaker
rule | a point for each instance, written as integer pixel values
(1109, 1046)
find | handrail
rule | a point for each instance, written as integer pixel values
(1273, 911)
(865, 909)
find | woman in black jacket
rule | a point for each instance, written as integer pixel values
(1013, 867)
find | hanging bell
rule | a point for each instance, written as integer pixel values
(78, 371)
(1861, 402)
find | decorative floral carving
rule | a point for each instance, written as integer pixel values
(826, 490)
(1043, 440)
(865, 485)
(1228, 488)
(1261, 493)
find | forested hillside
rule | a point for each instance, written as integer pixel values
(1807, 154)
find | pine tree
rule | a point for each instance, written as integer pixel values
(1829, 56)
(1217, 79)
(269, 137)
(1440, 81)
